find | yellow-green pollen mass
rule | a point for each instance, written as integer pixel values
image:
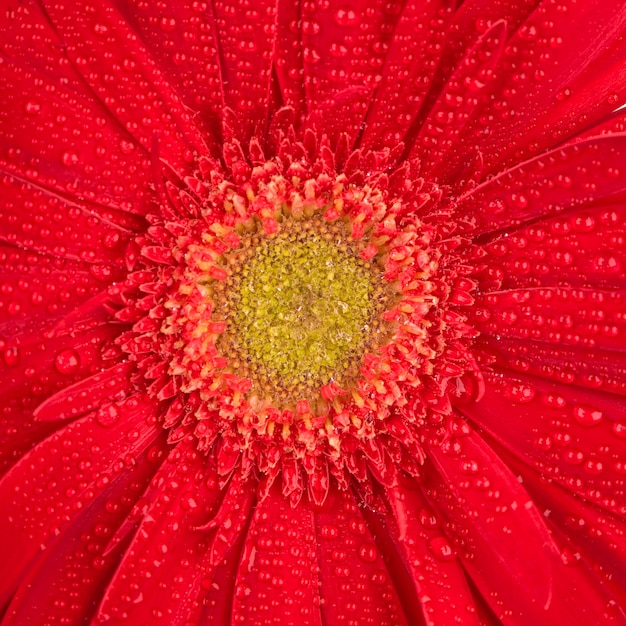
(302, 308)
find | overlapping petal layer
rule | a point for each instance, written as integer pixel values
(495, 124)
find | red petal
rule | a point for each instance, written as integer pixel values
(182, 41)
(219, 584)
(504, 543)
(38, 289)
(96, 392)
(355, 584)
(584, 367)
(561, 71)
(246, 34)
(341, 115)
(71, 352)
(40, 220)
(575, 176)
(439, 578)
(578, 248)
(19, 432)
(586, 532)
(67, 582)
(166, 565)
(289, 61)
(277, 580)
(55, 133)
(34, 368)
(609, 125)
(575, 436)
(410, 64)
(120, 70)
(474, 17)
(48, 488)
(587, 318)
(344, 46)
(602, 534)
(457, 102)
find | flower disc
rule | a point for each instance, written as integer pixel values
(300, 318)
(301, 306)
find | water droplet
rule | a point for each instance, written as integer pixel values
(357, 526)
(574, 457)
(594, 467)
(167, 24)
(126, 146)
(100, 29)
(11, 356)
(441, 549)
(67, 362)
(101, 272)
(368, 552)
(519, 201)
(69, 159)
(342, 571)
(32, 107)
(564, 94)
(587, 416)
(111, 239)
(108, 415)
(619, 429)
(329, 531)
(346, 17)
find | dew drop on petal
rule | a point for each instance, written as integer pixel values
(564, 94)
(428, 519)
(11, 356)
(587, 415)
(346, 17)
(100, 29)
(69, 159)
(111, 239)
(619, 430)
(126, 147)
(67, 362)
(329, 531)
(167, 24)
(441, 549)
(242, 591)
(357, 527)
(101, 272)
(367, 552)
(613, 99)
(574, 457)
(32, 107)
(108, 415)
(594, 467)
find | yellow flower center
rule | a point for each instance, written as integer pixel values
(301, 307)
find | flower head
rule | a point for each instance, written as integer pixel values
(312, 313)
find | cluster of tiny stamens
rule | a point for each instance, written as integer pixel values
(302, 313)
(301, 307)
(284, 318)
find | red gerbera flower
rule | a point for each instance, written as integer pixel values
(313, 312)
